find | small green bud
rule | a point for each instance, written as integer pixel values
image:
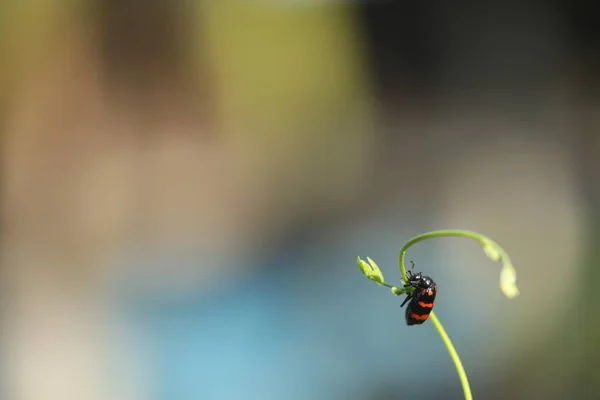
(363, 266)
(370, 270)
(508, 281)
(398, 291)
(491, 251)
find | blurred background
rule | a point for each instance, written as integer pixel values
(187, 185)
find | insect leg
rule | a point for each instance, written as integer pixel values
(408, 297)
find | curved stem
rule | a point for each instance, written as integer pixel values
(507, 284)
(484, 241)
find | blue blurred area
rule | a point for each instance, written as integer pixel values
(305, 325)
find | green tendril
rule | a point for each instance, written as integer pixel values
(508, 278)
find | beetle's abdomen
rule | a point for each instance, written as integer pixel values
(420, 306)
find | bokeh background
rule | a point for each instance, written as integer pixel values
(186, 186)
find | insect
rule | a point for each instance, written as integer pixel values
(421, 300)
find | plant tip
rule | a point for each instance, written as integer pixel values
(508, 281)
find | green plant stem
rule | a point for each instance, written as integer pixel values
(386, 285)
(462, 375)
(450, 232)
(493, 250)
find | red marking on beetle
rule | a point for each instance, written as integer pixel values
(426, 305)
(419, 317)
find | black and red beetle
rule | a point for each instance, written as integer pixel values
(421, 300)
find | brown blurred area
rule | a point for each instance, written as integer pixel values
(127, 121)
(219, 127)
(116, 112)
